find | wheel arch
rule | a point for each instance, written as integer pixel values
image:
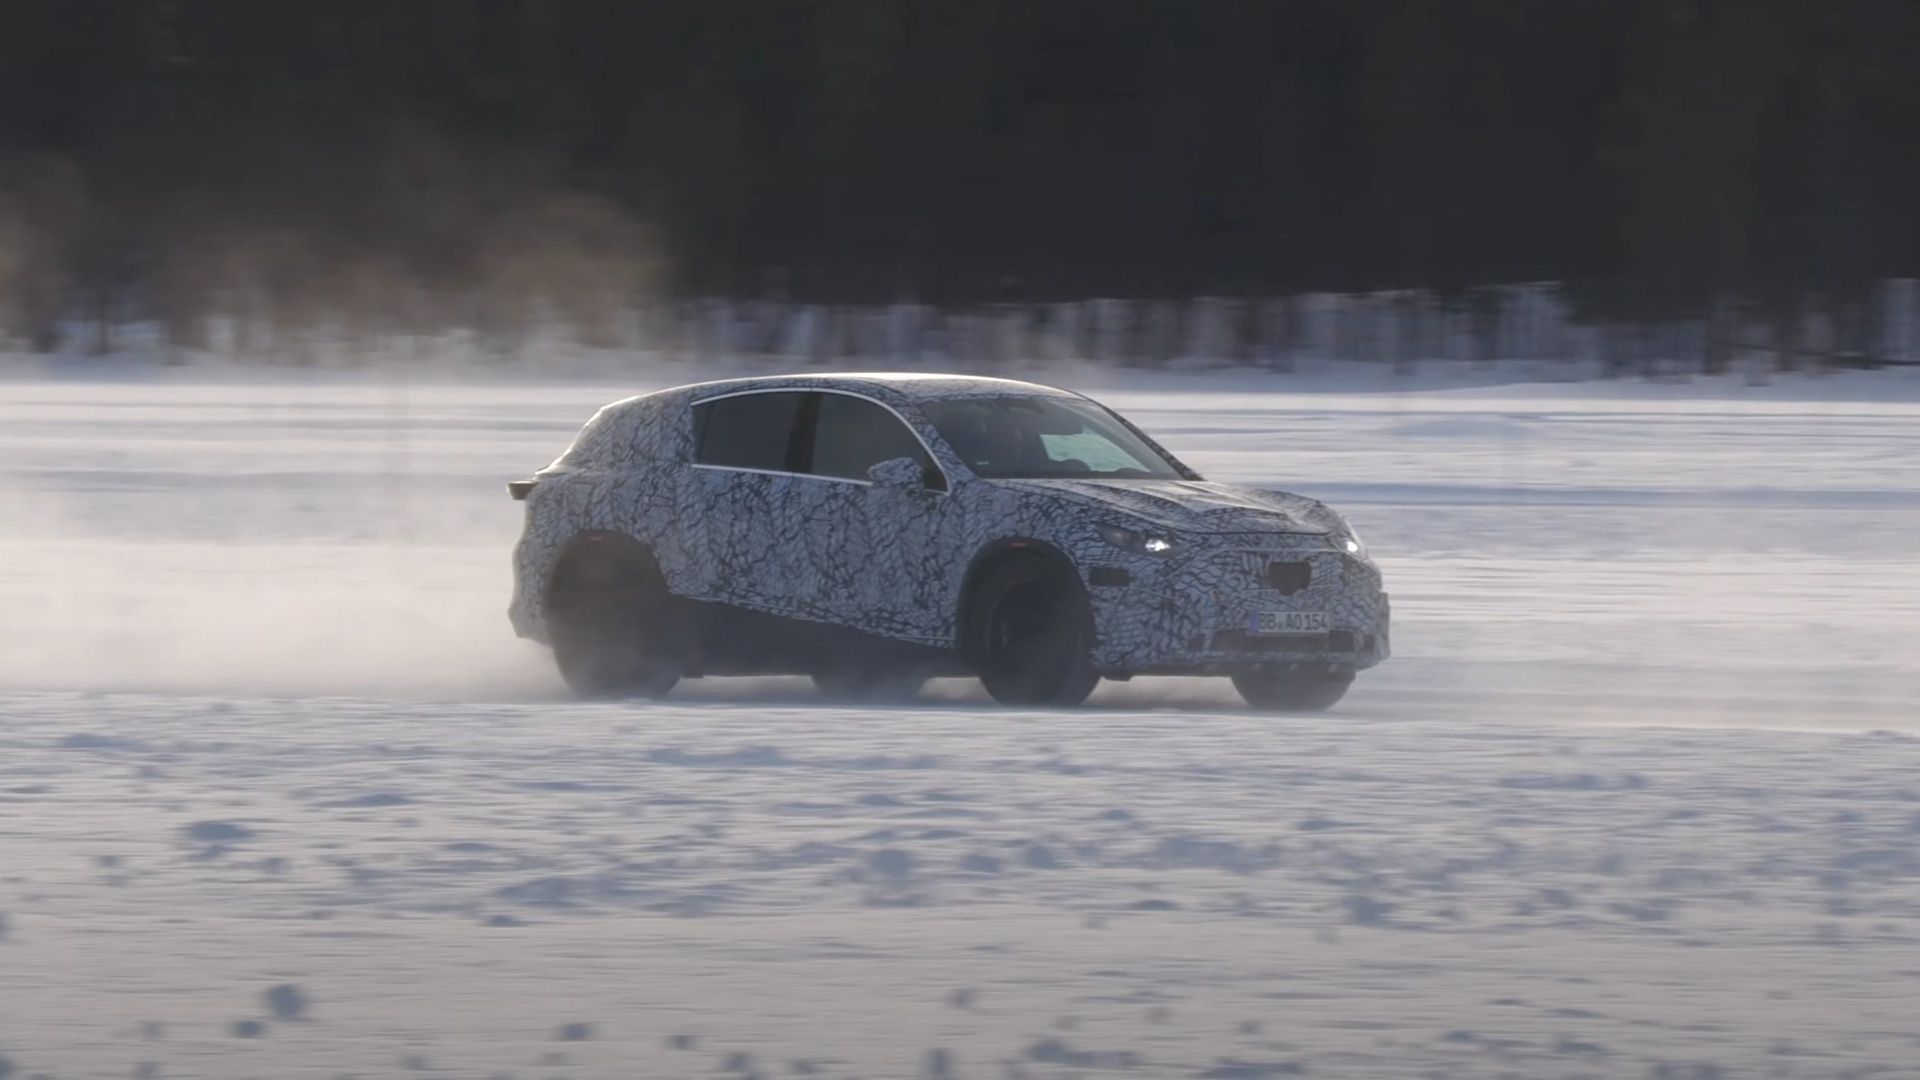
(595, 555)
(986, 559)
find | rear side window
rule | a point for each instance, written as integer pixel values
(750, 431)
(852, 435)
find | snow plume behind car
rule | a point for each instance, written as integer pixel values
(260, 538)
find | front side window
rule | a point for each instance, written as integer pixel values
(852, 435)
(747, 431)
(1033, 437)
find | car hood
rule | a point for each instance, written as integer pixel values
(1190, 506)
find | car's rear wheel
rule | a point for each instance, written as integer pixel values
(1032, 631)
(1292, 691)
(868, 682)
(609, 617)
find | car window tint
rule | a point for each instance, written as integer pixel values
(749, 431)
(851, 435)
(1087, 450)
(1037, 436)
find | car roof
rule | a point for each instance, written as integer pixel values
(611, 430)
(912, 386)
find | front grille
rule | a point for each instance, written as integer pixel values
(1289, 577)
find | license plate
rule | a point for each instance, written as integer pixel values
(1287, 622)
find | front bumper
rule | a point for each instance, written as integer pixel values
(1196, 614)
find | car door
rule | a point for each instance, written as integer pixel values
(736, 509)
(868, 544)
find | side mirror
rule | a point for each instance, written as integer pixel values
(900, 472)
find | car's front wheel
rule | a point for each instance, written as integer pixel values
(609, 618)
(1292, 691)
(1032, 630)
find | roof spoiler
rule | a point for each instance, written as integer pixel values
(520, 489)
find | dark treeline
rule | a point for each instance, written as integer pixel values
(1659, 156)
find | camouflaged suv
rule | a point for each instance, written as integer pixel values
(873, 531)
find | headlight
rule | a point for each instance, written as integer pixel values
(1137, 542)
(1346, 539)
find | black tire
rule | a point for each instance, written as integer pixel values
(859, 682)
(1292, 691)
(1032, 630)
(609, 616)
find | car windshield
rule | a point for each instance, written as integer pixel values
(1031, 436)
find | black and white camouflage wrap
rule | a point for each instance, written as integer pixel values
(894, 561)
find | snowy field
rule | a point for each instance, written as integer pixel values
(1639, 796)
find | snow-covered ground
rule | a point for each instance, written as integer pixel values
(1636, 797)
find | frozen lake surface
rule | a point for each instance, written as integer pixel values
(1637, 796)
